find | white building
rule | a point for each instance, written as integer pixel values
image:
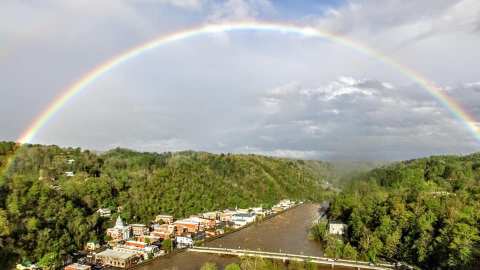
(183, 241)
(69, 174)
(120, 231)
(337, 228)
(242, 219)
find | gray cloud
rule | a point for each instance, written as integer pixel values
(268, 93)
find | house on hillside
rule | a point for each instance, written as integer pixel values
(104, 212)
(92, 245)
(337, 228)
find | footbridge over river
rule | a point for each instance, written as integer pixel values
(293, 257)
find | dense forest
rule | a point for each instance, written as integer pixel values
(425, 212)
(46, 212)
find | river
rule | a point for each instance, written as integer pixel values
(286, 232)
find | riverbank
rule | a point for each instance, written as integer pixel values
(178, 251)
(287, 231)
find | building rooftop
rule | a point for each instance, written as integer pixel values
(138, 225)
(187, 221)
(118, 253)
(78, 266)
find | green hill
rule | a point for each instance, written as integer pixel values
(425, 212)
(45, 214)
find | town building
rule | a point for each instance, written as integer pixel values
(259, 211)
(104, 212)
(118, 257)
(226, 215)
(139, 229)
(77, 266)
(210, 215)
(141, 247)
(205, 224)
(152, 239)
(337, 228)
(242, 219)
(186, 226)
(69, 174)
(120, 231)
(183, 241)
(168, 219)
(164, 231)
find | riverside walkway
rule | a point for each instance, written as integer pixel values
(293, 257)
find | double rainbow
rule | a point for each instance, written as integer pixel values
(102, 69)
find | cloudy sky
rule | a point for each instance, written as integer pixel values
(249, 92)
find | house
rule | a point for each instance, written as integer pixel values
(92, 245)
(120, 231)
(168, 219)
(139, 229)
(77, 266)
(71, 161)
(183, 241)
(186, 226)
(104, 212)
(337, 228)
(69, 174)
(118, 257)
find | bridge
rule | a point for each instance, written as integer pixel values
(293, 257)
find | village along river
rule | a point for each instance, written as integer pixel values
(286, 232)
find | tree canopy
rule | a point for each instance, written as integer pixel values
(425, 212)
(46, 213)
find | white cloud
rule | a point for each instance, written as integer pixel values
(239, 10)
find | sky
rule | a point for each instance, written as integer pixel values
(269, 93)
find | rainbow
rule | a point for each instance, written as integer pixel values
(102, 69)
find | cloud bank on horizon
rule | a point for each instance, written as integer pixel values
(247, 92)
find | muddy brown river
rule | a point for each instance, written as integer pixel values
(287, 232)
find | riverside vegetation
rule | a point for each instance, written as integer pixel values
(46, 214)
(424, 212)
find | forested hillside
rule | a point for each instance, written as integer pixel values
(44, 213)
(425, 212)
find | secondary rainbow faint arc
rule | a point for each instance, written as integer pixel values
(103, 68)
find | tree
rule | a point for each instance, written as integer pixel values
(349, 252)
(167, 245)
